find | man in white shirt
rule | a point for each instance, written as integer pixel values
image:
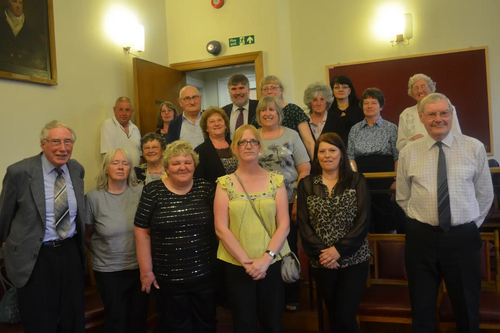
(444, 186)
(242, 110)
(186, 126)
(120, 132)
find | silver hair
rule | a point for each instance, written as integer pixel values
(434, 98)
(185, 87)
(430, 84)
(315, 89)
(44, 134)
(103, 178)
(123, 99)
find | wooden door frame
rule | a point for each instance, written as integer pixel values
(231, 60)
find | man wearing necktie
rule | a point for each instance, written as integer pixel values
(242, 110)
(42, 232)
(444, 186)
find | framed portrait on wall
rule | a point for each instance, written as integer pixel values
(27, 45)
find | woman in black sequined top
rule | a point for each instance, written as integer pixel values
(333, 216)
(176, 244)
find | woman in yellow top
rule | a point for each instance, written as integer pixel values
(252, 266)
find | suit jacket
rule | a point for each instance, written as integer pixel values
(252, 107)
(22, 215)
(174, 129)
(210, 167)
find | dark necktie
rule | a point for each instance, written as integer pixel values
(239, 121)
(61, 208)
(443, 196)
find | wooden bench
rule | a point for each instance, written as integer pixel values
(386, 297)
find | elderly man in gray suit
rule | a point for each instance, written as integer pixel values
(42, 231)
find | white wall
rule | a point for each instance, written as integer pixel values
(92, 72)
(299, 38)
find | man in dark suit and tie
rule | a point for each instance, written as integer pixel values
(242, 110)
(42, 231)
(444, 186)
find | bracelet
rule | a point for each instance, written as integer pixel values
(271, 253)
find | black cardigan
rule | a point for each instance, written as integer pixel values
(210, 167)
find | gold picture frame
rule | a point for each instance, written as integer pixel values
(27, 43)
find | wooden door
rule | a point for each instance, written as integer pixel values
(154, 84)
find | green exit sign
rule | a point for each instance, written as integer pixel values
(243, 40)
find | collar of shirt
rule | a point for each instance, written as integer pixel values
(431, 142)
(197, 118)
(120, 125)
(48, 168)
(245, 107)
(379, 122)
(322, 120)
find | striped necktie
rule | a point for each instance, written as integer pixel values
(61, 208)
(443, 196)
(239, 121)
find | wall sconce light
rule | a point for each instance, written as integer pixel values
(135, 39)
(405, 37)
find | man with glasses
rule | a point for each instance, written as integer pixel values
(119, 132)
(242, 110)
(42, 231)
(444, 186)
(186, 126)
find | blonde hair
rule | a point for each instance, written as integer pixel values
(238, 134)
(102, 177)
(264, 103)
(177, 148)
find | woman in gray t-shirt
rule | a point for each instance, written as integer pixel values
(109, 235)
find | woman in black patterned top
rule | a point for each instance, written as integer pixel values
(176, 244)
(216, 157)
(333, 217)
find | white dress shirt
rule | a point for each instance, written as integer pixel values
(113, 135)
(234, 116)
(469, 179)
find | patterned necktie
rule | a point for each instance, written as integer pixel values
(61, 208)
(239, 121)
(443, 196)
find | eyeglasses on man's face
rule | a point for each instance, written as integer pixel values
(433, 115)
(243, 143)
(191, 98)
(58, 142)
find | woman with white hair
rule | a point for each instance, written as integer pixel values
(109, 234)
(410, 128)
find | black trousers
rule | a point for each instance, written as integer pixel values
(125, 305)
(52, 299)
(186, 307)
(341, 290)
(262, 299)
(292, 290)
(431, 255)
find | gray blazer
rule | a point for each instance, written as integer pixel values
(22, 215)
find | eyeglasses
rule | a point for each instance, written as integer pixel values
(243, 143)
(167, 110)
(271, 88)
(442, 114)
(341, 86)
(191, 98)
(416, 88)
(58, 142)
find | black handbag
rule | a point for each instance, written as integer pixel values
(9, 311)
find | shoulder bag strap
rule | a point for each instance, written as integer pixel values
(255, 210)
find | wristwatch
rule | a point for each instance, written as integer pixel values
(271, 253)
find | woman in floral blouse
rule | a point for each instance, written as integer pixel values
(333, 217)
